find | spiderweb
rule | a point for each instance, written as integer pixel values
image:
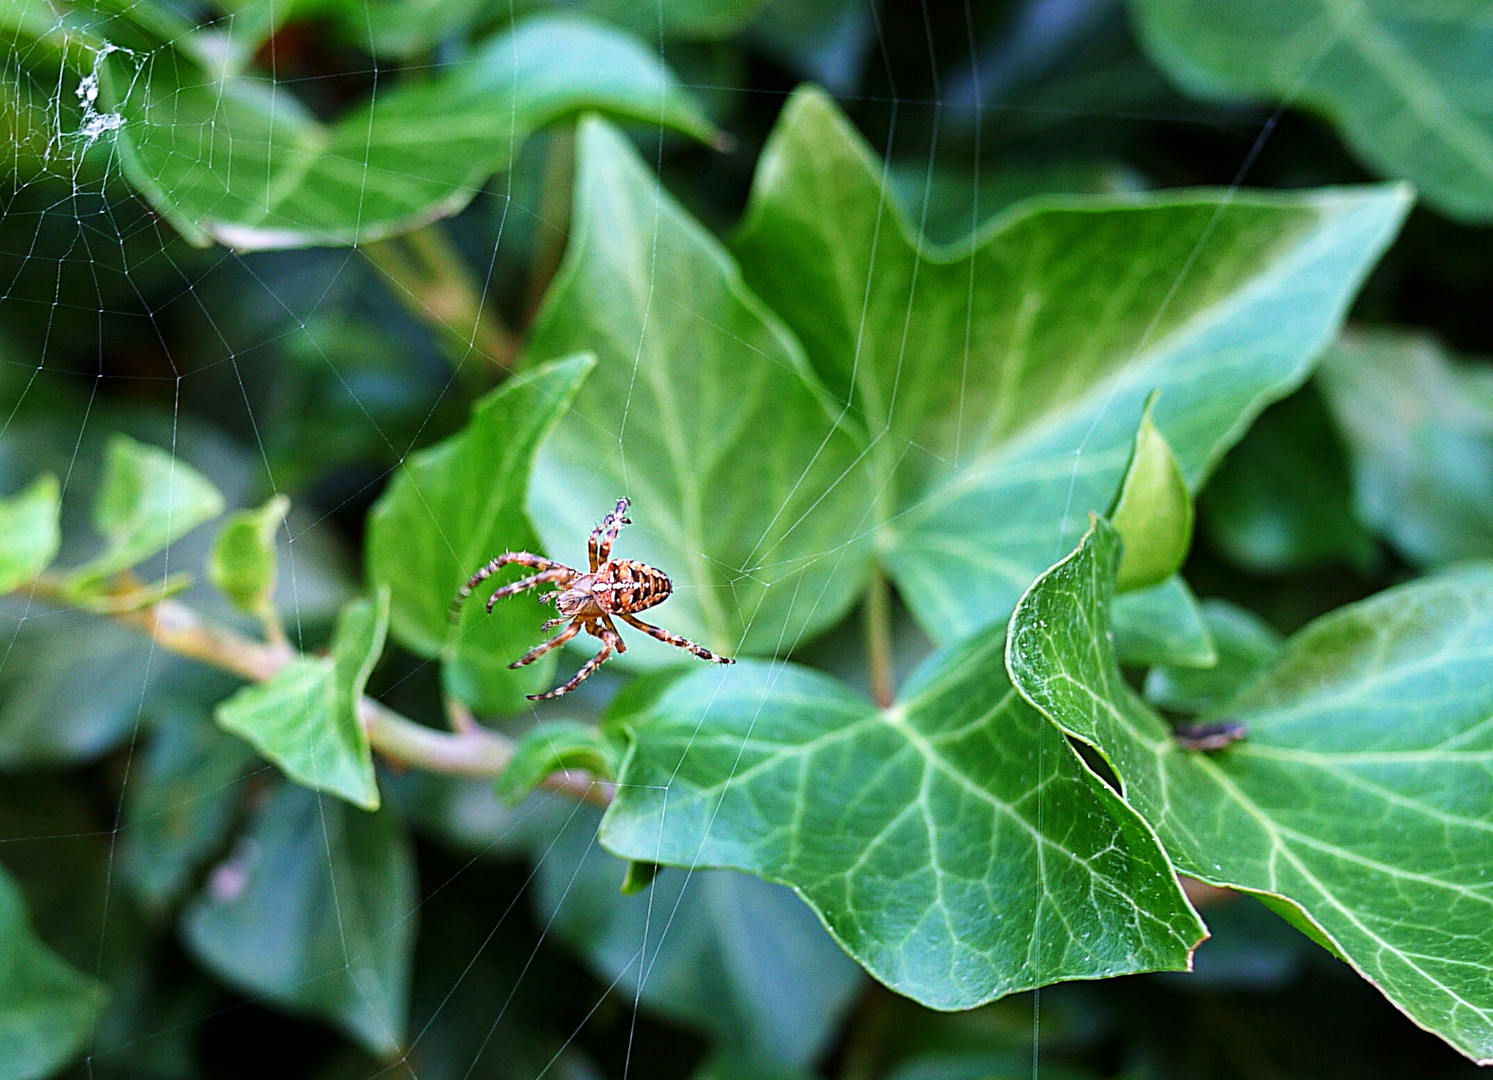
(108, 321)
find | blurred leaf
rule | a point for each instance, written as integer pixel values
(1360, 795)
(1281, 501)
(307, 719)
(1162, 625)
(1152, 512)
(181, 798)
(449, 510)
(697, 20)
(554, 746)
(1246, 646)
(746, 488)
(149, 499)
(905, 828)
(723, 953)
(47, 1009)
(1405, 83)
(823, 41)
(242, 563)
(28, 532)
(1419, 430)
(239, 161)
(1001, 414)
(44, 720)
(316, 911)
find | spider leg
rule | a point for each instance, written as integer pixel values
(678, 642)
(615, 640)
(550, 624)
(586, 669)
(562, 574)
(520, 558)
(553, 643)
(599, 547)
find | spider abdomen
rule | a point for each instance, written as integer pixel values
(624, 586)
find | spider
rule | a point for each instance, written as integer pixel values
(588, 601)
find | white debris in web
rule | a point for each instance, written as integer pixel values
(95, 123)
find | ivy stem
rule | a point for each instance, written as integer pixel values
(426, 274)
(879, 637)
(477, 753)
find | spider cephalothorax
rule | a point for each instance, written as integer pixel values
(589, 600)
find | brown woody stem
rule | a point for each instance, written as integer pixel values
(478, 752)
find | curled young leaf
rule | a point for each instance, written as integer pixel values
(242, 562)
(1152, 511)
(555, 746)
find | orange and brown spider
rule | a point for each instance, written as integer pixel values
(612, 587)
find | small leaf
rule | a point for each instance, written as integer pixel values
(450, 509)
(1419, 430)
(953, 843)
(1162, 625)
(307, 718)
(29, 535)
(242, 563)
(1246, 646)
(1360, 795)
(239, 160)
(640, 875)
(315, 911)
(47, 1008)
(554, 746)
(748, 486)
(1153, 510)
(1403, 82)
(149, 499)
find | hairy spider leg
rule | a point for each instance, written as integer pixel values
(519, 558)
(617, 642)
(609, 639)
(599, 547)
(559, 575)
(553, 643)
(674, 639)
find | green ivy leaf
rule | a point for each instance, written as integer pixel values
(242, 563)
(1358, 798)
(1163, 625)
(1001, 379)
(238, 160)
(554, 746)
(47, 1008)
(148, 501)
(315, 910)
(747, 489)
(1152, 511)
(1281, 501)
(953, 843)
(29, 536)
(1403, 82)
(182, 797)
(306, 719)
(742, 960)
(1419, 430)
(1246, 646)
(448, 511)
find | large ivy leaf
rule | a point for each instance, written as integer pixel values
(1358, 801)
(745, 486)
(307, 719)
(316, 911)
(239, 160)
(448, 511)
(47, 1008)
(952, 843)
(1405, 83)
(1001, 379)
(722, 952)
(1419, 429)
